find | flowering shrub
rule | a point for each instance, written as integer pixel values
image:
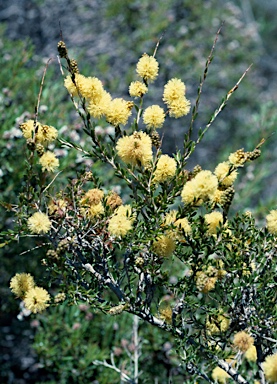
(168, 236)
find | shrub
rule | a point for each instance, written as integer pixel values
(165, 251)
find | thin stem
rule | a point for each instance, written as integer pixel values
(136, 348)
(158, 43)
(260, 358)
(219, 109)
(40, 91)
(208, 62)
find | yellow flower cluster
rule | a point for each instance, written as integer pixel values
(21, 283)
(137, 89)
(58, 205)
(39, 223)
(165, 169)
(270, 368)
(70, 86)
(271, 222)
(164, 245)
(89, 87)
(214, 220)
(135, 149)
(113, 200)
(92, 204)
(225, 177)
(49, 162)
(92, 197)
(219, 375)
(100, 103)
(217, 324)
(43, 134)
(147, 68)
(206, 280)
(181, 224)
(59, 297)
(35, 298)
(122, 221)
(154, 116)
(165, 312)
(238, 158)
(98, 107)
(243, 341)
(118, 111)
(174, 97)
(205, 283)
(201, 188)
(251, 353)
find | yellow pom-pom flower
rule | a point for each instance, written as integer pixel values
(148, 67)
(49, 161)
(94, 211)
(251, 353)
(170, 217)
(70, 86)
(219, 375)
(183, 224)
(113, 200)
(213, 220)
(98, 108)
(36, 299)
(165, 312)
(222, 173)
(137, 89)
(180, 224)
(39, 223)
(271, 222)
(154, 116)
(58, 205)
(164, 246)
(270, 368)
(45, 134)
(118, 111)
(217, 324)
(89, 87)
(28, 128)
(174, 89)
(238, 158)
(21, 283)
(243, 341)
(202, 187)
(135, 149)
(92, 197)
(204, 283)
(121, 222)
(179, 108)
(165, 169)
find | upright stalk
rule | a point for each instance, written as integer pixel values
(136, 349)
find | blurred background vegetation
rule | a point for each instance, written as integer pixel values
(107, 38)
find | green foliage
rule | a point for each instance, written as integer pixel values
(71, 339)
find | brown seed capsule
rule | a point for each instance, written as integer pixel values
(74, 66)
(254, 154)
(40, 149)
(155, 137)
(62, 49)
